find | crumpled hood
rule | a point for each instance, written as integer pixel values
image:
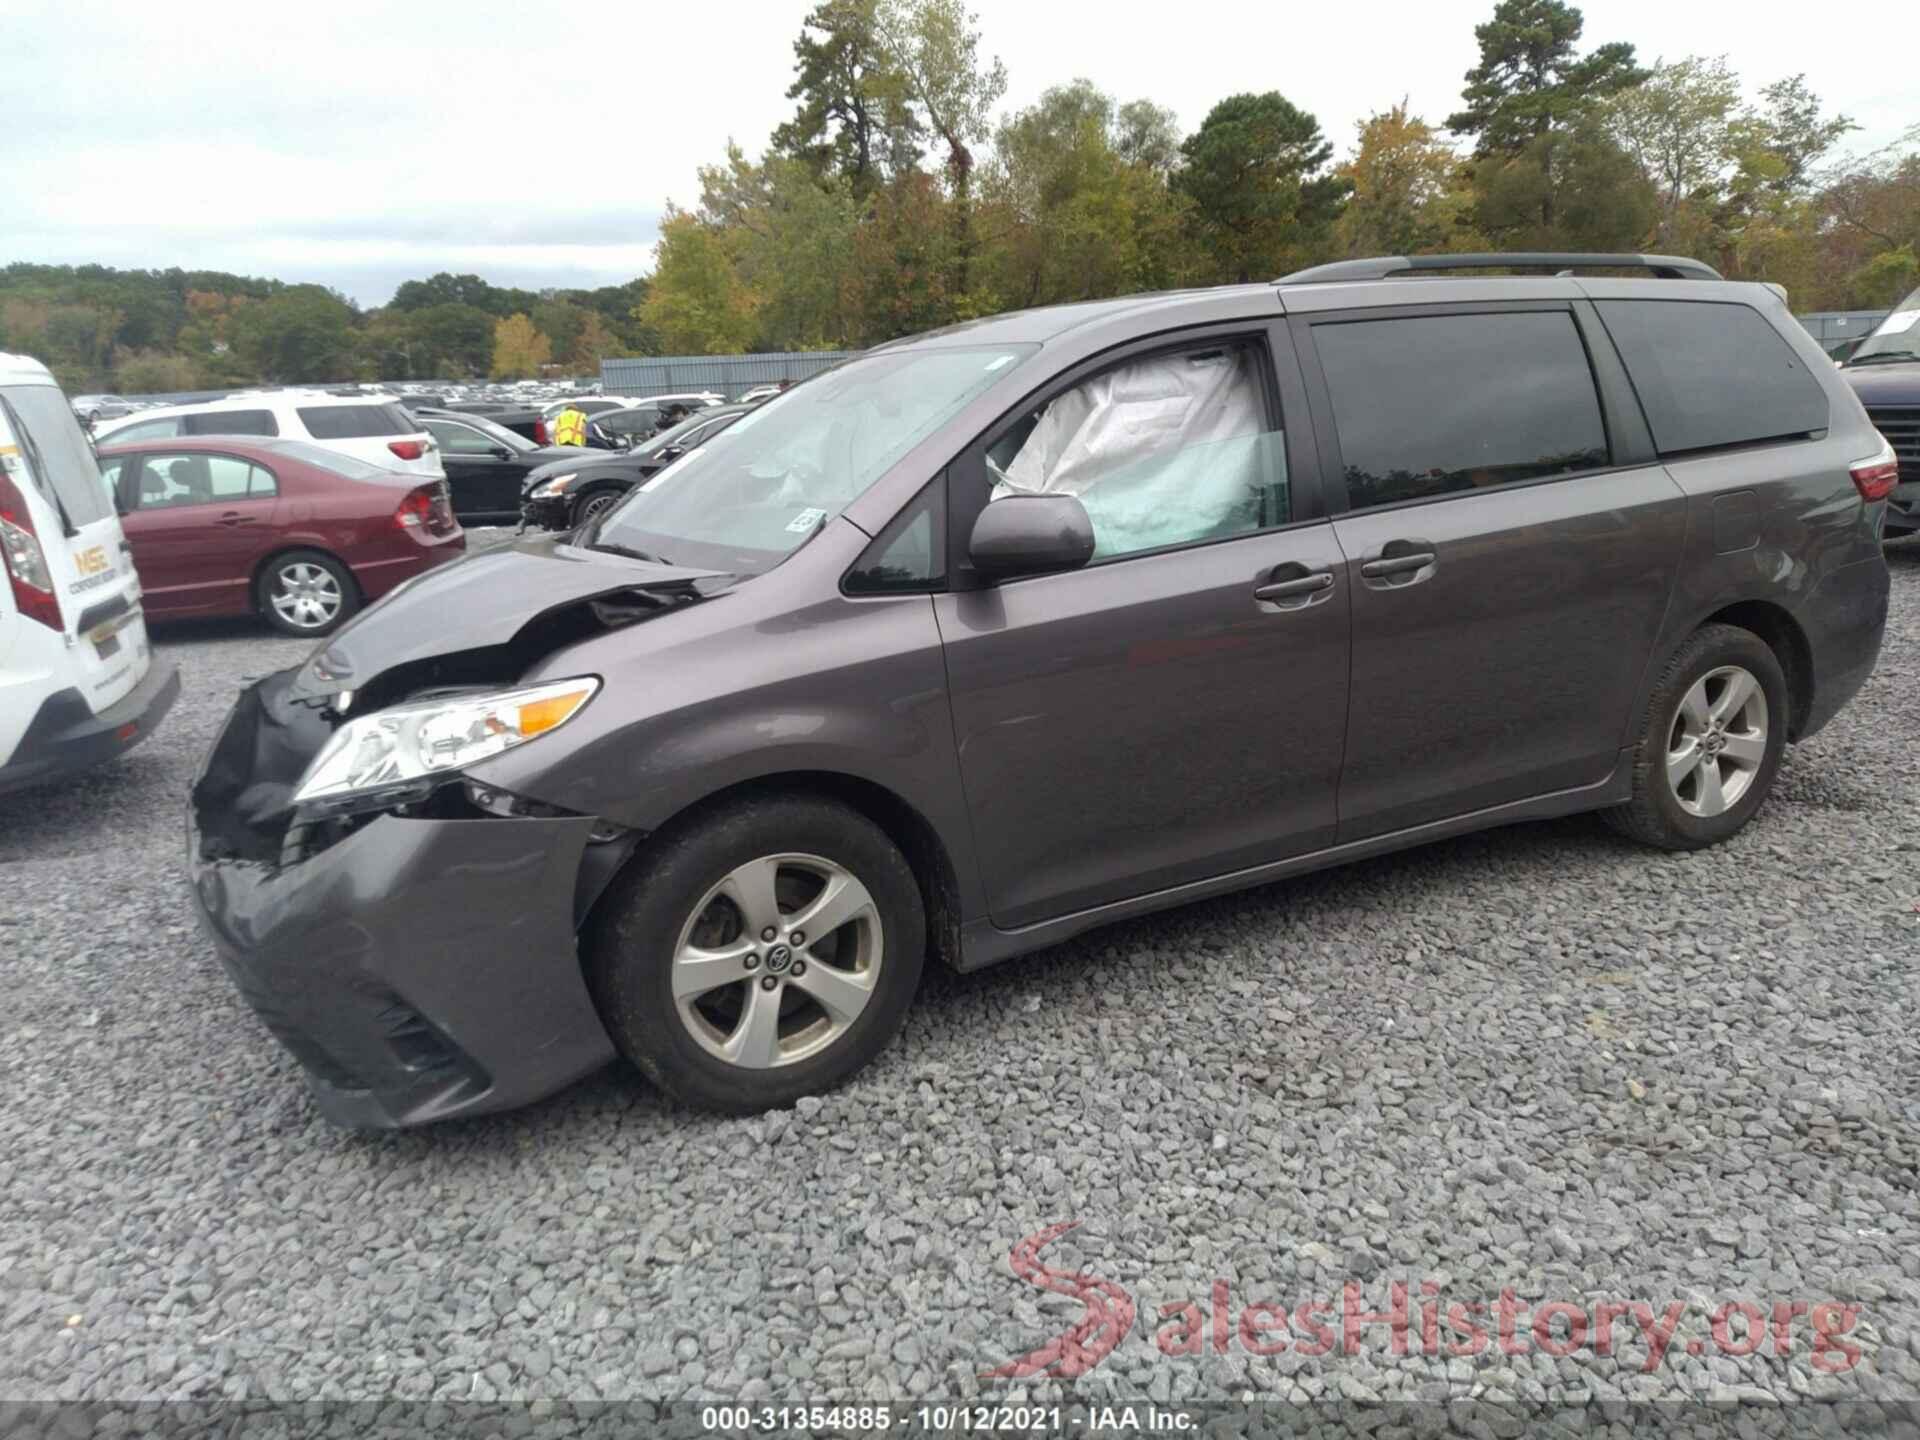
(481, 601)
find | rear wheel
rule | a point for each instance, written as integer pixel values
(305, 592)
(1710, 743)
(593, 504)
(763, 952)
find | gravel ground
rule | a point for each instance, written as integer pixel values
(1539, 1059)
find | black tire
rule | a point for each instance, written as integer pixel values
(591, 503)
(630, 958)
(271, 578)
(1656, 814)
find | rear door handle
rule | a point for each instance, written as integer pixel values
(1290, 589)
(1397, 564)
(232, 518)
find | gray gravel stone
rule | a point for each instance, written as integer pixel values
(1540, 1060)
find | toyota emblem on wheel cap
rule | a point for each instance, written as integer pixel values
(778, 958)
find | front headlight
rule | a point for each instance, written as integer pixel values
(398, 748)
(547, 489)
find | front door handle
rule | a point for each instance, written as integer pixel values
(1397, 564)
(1298, 586)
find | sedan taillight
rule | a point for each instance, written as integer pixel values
(540, 432)
(1875, 476)
(416, 509)
(25, 561)
(407, 449)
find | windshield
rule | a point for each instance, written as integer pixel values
(679, 433)
(1898, 334)
(57, 453)
(753, 494)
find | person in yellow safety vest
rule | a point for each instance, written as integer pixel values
(570, 427)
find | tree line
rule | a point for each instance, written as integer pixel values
(899, 197)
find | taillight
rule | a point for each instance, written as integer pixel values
(540, 432)
(407, 449)
(1875, 476)
(416, 508)
(26, 562)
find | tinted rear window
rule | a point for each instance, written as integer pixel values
(1434, 404)
(61, 460)
(1712, 373)
(356, 422)
(232, 422)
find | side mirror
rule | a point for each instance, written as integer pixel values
(500, 452)
(1030, 535)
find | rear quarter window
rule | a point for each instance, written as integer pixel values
(232, 422)
(356, 422)
(1712, 373)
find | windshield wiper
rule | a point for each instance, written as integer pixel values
(613, 548)
(1883, 355)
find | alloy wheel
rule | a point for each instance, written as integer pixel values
(1718, 741)
(777, 960)
(306, 595)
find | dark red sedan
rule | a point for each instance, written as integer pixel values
(301, 535)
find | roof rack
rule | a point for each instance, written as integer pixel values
(1666, 267)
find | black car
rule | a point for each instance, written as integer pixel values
(571, 491)
(486, 463)
(1885, 373)
(522, 420)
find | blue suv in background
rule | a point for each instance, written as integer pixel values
(1885, 374)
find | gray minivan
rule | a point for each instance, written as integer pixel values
(998, 633)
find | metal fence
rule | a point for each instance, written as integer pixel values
(729, 374)
(1830, 327)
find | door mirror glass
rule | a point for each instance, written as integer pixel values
(1030, 535)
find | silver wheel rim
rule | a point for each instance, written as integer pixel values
(1717, 741)
(595, 506)
(305, 595)
(777, 961)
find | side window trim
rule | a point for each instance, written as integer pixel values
(1282, 392)
(932, 495)
(1333, 469)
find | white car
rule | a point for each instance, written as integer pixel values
(77, 682)
(374, 429)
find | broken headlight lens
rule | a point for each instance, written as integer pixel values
(398, 748)
(547, 489)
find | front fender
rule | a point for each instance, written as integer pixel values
(734, 691)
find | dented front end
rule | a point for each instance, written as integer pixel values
(417, 952)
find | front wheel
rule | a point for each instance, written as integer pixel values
(306, 593)
(765, 951)
(592, 505)
(1712, 734)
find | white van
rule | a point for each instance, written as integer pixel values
(77, 684)
(374, 429)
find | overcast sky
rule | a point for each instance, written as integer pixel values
(361, 144)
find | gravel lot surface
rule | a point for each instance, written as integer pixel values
(1539, 1059)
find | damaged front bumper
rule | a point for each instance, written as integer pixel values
(418, 967)
(549, 512)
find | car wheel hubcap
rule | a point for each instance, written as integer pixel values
(596, 506)
(1717, 741)
(757, 1002)
(306, 595)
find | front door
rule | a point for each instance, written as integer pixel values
(483, 476)
(1509, 548)
(198, 525)
(1175, 710)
